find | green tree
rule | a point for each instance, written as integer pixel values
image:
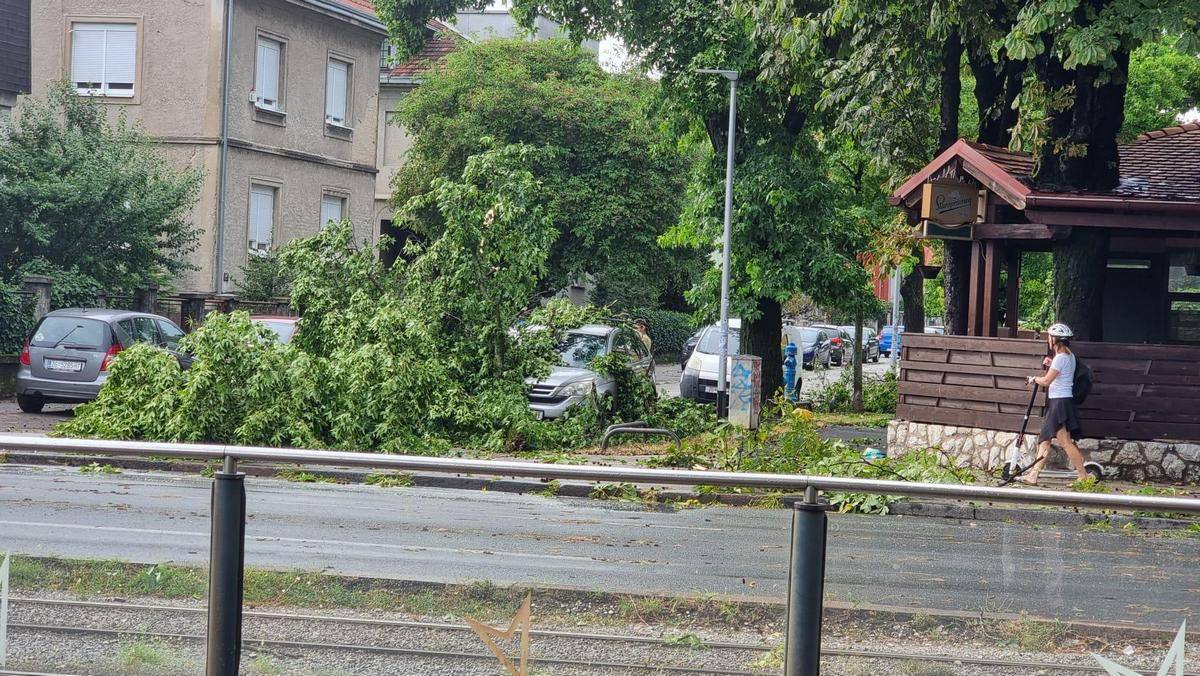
(1164, 82)
(95, 199)
(612, 178)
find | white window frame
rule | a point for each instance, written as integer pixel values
(255, 228)
(262, 43)
(109, 28)
(331, 117)
(326, 198)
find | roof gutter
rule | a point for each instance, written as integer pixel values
(353, 15)
(1123, 204)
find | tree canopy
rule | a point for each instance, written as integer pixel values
(613, 179)
(96, 199)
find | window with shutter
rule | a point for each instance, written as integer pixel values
(104, 58)
(266, 75)
(333, 208)
(261, 226)
(337, 80)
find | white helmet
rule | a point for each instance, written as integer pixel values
(1060, 331)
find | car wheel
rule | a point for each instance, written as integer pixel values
(30, 404)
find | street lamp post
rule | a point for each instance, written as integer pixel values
(723, 360)
(895, 356)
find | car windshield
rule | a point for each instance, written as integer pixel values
(850, 332)
(71, 331)
(579, 349)
(283, 330)
(808, 335)
(710, 342)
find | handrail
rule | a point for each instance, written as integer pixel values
(784, 482)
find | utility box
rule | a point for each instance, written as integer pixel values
(745, 391)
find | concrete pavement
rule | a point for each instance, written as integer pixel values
(455, 536)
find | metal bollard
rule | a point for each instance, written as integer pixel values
(806, 586)
(789, 372)
(227, 550)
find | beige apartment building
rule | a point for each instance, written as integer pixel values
(289, 144)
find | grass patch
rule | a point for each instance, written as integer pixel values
(853, 419)
(97, 468)
(551, 489)
(389, 480)
(151, 656)
(304, 477)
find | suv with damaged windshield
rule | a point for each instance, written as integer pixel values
(573, 381)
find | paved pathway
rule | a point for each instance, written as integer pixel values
(454, 536)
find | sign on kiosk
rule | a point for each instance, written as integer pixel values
(948, 208)
(745, 387)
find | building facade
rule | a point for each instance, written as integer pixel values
(14, 53)
(289, 144)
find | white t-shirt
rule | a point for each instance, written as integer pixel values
(1064, 363)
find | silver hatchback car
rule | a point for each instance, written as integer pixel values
(66, 359)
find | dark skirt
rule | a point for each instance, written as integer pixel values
(1060, 413)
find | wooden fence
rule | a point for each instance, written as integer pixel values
(1141, 391)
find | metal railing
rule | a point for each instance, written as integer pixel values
(809, 522)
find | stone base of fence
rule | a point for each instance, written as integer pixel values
(1162, 461)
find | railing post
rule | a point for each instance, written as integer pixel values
(226, 558)
(40, 286)
(806, 586)
(191, 310)
(145, 299)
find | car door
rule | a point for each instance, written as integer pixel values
(171, 335)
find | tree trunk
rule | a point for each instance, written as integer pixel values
(856, 383)
(996, 87)
(912, 296)
(951, 97)
(761, 338)
(1079, 269)
(956, 278)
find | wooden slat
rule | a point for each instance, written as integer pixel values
(993, 421)
(1184, 353)
(1118, 403)
(966, 393)
(1135, 378)
(975, 343)
(967, 368)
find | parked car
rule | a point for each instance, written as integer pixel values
(885, 339)
(815, 344)
(66, 359)
(689, 346)
(284, 327)
(698, 381)
(573, 382)
(870, 342)
(841, 342)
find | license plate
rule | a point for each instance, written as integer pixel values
(710, 389)
(539, 414)
(63, 365)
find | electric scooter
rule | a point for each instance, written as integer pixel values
(1020, 460)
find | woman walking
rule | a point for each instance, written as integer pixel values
(1061, 421)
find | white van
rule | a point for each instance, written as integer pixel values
(699, 379)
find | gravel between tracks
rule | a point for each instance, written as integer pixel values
(98, 654)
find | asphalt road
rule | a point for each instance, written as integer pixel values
(453, 536)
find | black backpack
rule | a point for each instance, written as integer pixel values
(1082, 385)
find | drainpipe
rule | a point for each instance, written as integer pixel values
(222, 172)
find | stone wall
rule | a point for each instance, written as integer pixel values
(1163, 461)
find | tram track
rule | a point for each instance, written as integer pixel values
(667, 655)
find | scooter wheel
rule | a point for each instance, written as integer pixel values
(1009, 470)
(1094, 469)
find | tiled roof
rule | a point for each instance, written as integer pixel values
(361, 5)
(1162, 164)
(1018, 164)
(439, 45)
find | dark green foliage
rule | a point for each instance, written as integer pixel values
(16, 318)
(613, 181)
(1164, 82)
(668, 330)
(264, 278)
(93, 197)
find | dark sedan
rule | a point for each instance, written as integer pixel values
(815, 344)
(870, 343)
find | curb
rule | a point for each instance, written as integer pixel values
(583, 489)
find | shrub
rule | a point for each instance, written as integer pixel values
(264, 278)
(880, 395)
(16, 318)
(668, 329)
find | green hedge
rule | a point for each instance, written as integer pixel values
(668, 329)
(16, 318)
